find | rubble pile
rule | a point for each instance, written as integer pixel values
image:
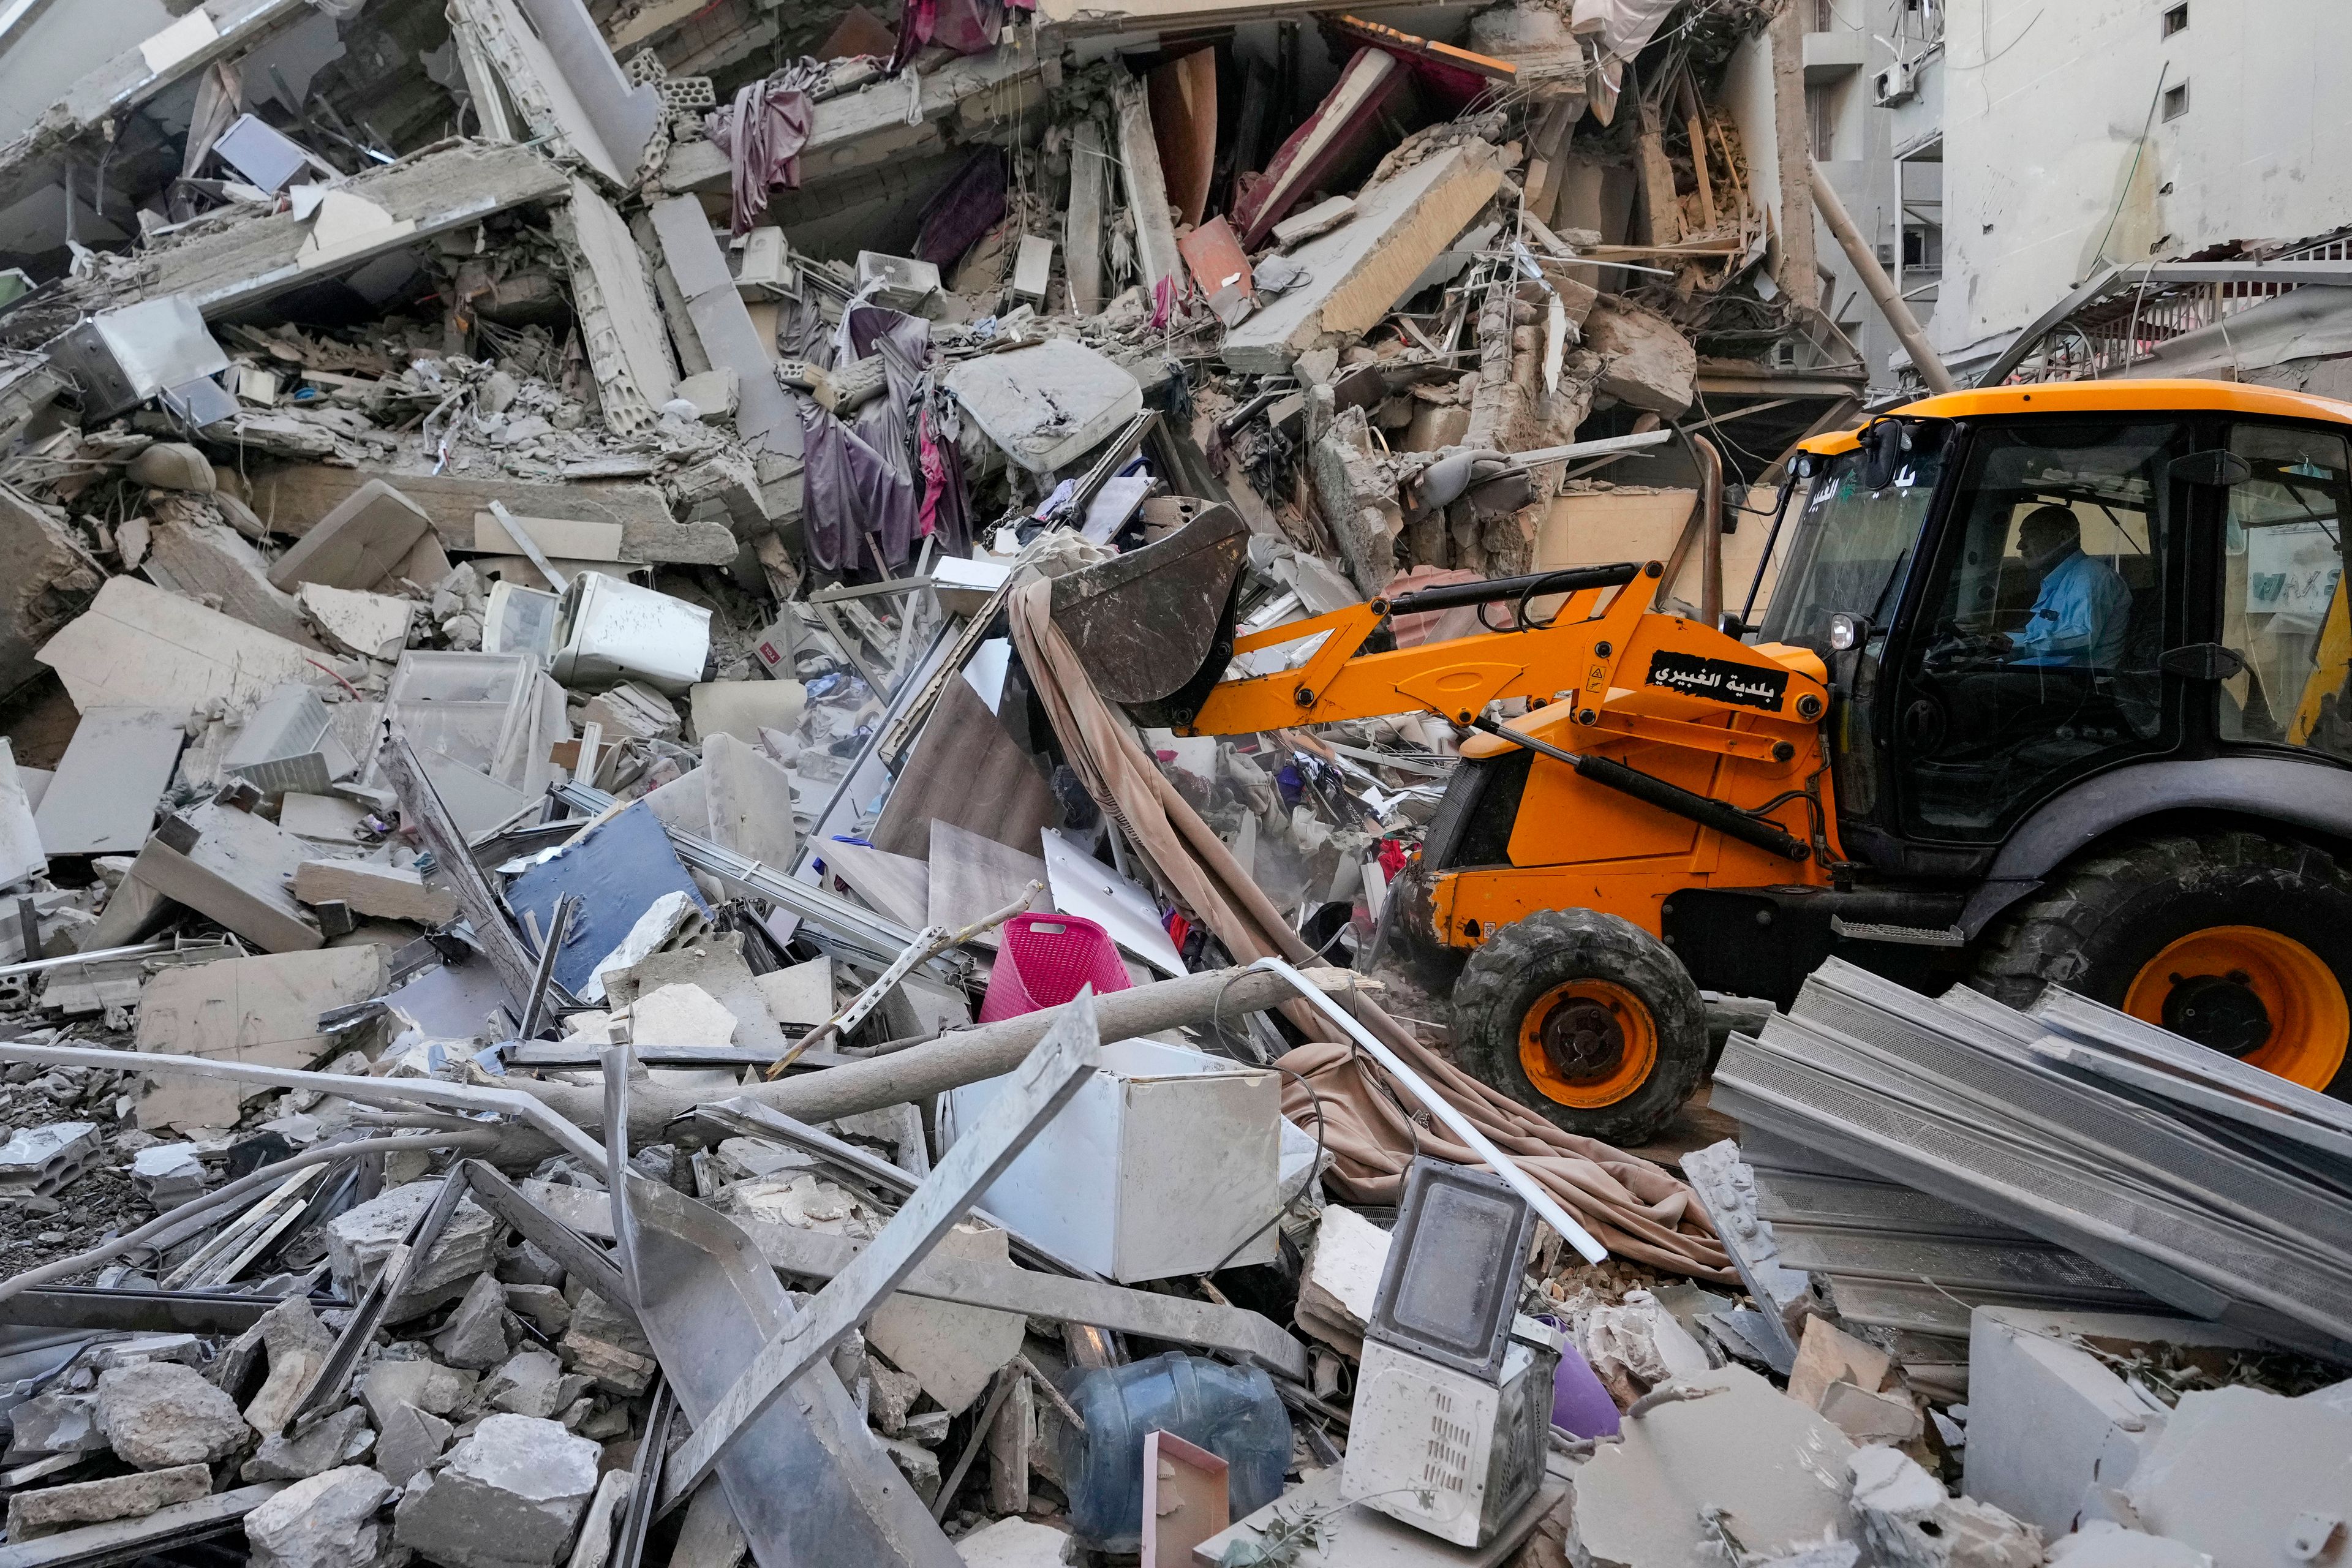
(587, 977)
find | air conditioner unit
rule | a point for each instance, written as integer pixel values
(1899, 83)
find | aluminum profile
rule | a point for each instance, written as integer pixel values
(1807, 1083)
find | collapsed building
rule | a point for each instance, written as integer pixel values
(592, 981)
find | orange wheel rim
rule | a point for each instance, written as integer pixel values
(1588, 1043)
(2253, 994)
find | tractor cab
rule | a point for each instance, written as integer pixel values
(2019, 591)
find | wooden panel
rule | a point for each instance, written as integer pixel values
(965, 770)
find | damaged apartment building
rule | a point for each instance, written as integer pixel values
(623, 940)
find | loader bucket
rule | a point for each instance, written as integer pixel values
(1155, 628)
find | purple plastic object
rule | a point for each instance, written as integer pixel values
(1580, 1405)
(1044, 960)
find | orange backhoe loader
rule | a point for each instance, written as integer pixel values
(2052, 687)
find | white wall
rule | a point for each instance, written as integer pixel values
(65, 42)
(2046, 105)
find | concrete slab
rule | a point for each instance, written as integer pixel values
(2250, 1477)
(139, 646)
(1046, 406)
(952, 1350)
(217, 566)
(1357, 271)
(372, 887)
(742, 708)
(259, 1010)
(237, 873)
(116, 767)
(621, 326)
(354, 621)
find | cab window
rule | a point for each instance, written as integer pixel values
(2283, 606)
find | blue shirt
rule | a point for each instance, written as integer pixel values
(2080, 617)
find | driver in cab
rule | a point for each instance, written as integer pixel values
(2080, 615)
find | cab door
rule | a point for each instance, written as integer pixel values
(2023, 668)
(2282, 622)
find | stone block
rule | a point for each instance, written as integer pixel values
(509, 1495)
(325, 1522)
(411, 1439)
(359, 1239)
(427, 1384)
(163, 1414)
(341, 1438)
(56, 1423)
(53, 1509)
(476, 1335)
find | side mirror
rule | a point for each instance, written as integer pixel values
(1882, 453)
(2220, 468)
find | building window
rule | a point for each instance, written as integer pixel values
(1820, 110)
(2176, 20)
(2176, 101)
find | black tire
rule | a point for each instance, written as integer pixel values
(2095, 926)
(1520, 969)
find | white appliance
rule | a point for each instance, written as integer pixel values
(609, 631)
(1447, 1452)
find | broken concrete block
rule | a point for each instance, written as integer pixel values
(476, 1335)
(139, 646)
(1635, 1345)
(953, 1350)
(1646, 361)
(118, 763)
(2247, 1476)
(2049, 1421)
(291, 1373)
(54, 1422)
(2102, 1543)
(1358, 270)
(1730, 1445)
(510, 1495)
(236, 872)
(373, 888)
(531, 1382)
(321, 816)
(326, 1521)
(603, 1344)
(36, 1162)
(680, 1016)
(341, 1438)
(1828, 1353)
(52, 1509)
(163, 1414)
(1905, 1520)
(918, 1464)
(544, 1305)
(358, 1238)
(259, 1010)
(1341, 1278)
(409, 1440)
(354, 621)
(169, 1175)
(1047, 405)
(799, 995)
(715, 394)
(1870, 1417)
(358, 545)
(1013, 1543)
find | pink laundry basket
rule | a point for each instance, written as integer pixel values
(1044, 960)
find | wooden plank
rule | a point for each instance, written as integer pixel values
(293, 496)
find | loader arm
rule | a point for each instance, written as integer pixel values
(1629, 671)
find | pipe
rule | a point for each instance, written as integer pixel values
(1710, 552)
(1445, 1110)
(953, 1060)
(1882, 288)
